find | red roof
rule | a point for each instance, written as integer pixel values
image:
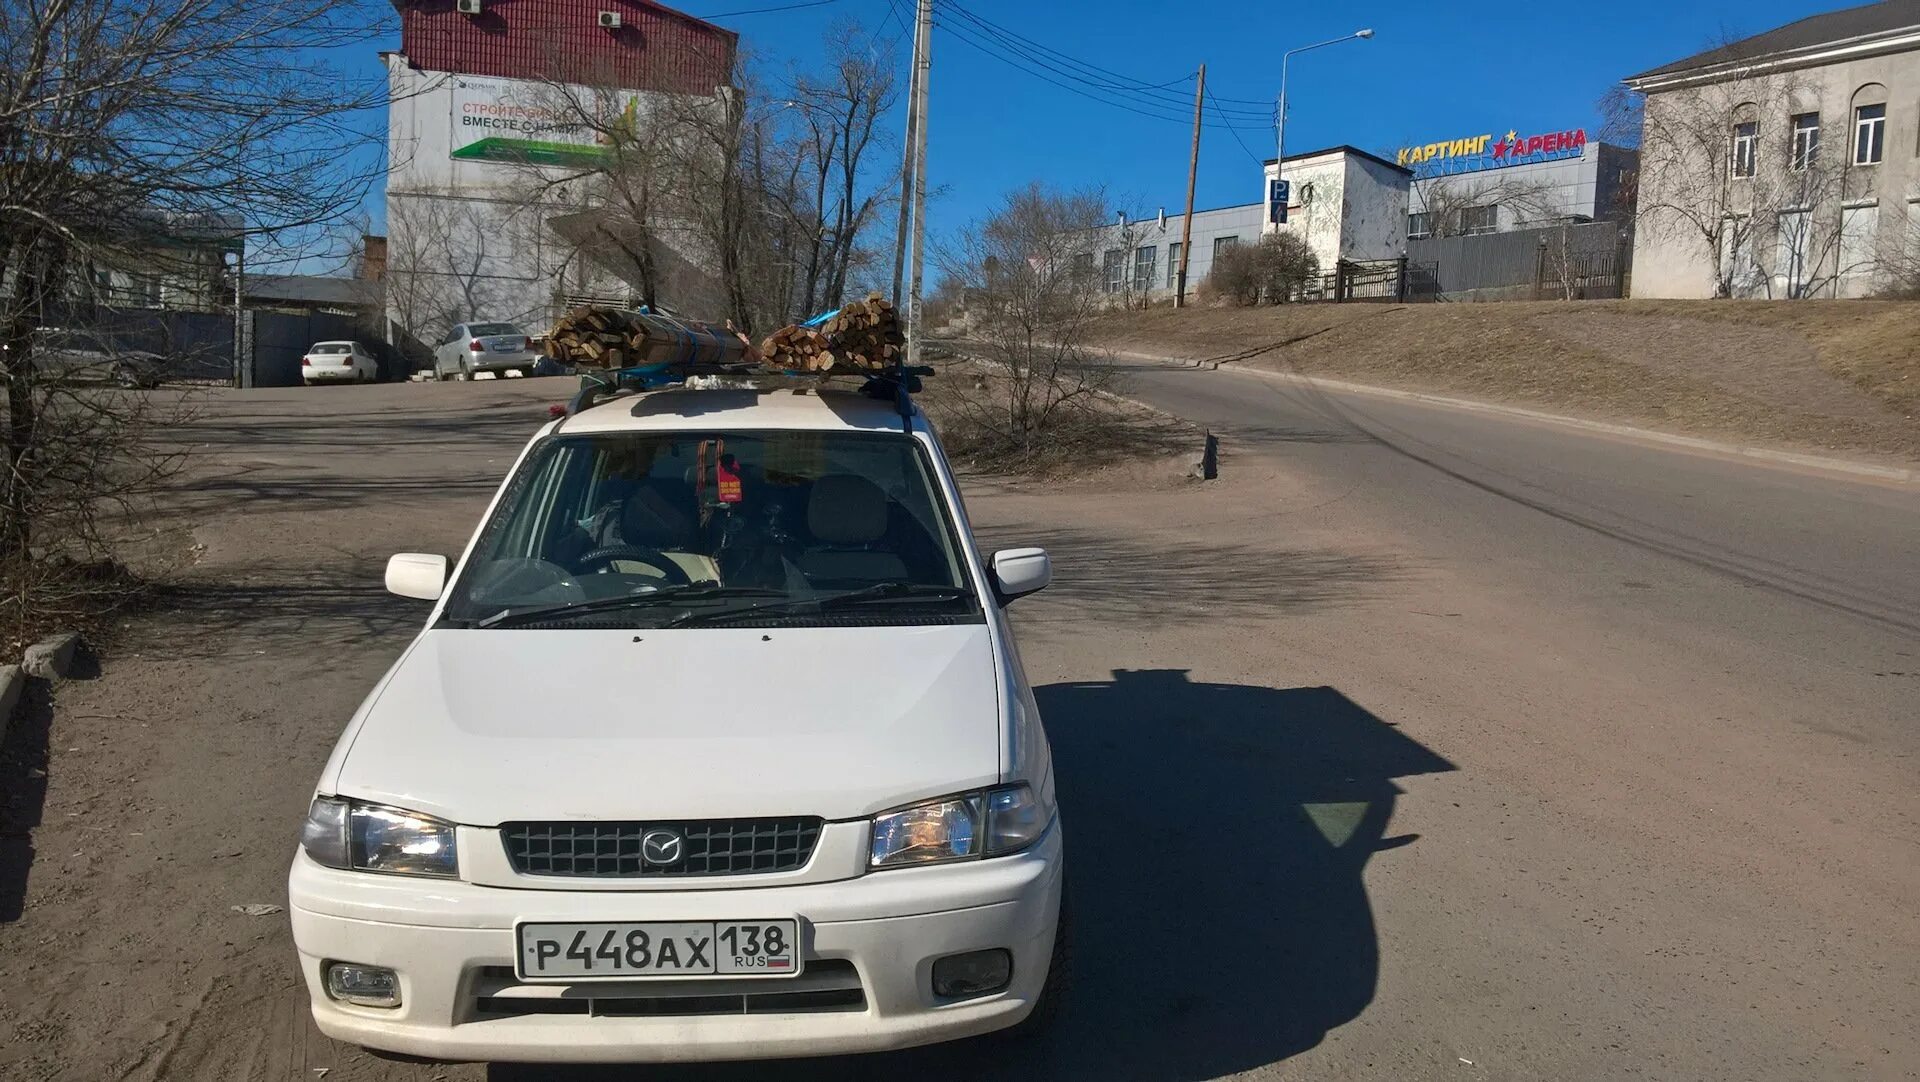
(655, 47)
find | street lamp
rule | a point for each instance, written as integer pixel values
(1280, 109)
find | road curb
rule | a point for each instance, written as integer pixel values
(12, 683)
(1896, 474)
(51, 657)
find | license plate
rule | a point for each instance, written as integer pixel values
(630, 951)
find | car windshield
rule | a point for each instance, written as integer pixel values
(682, 529)
(325, 348)
(493, 328)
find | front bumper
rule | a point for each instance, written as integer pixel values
(452, 945)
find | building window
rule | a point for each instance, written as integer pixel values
(1145, 260)
(1420, 225)
(1856, 239)
(1173, 265)
(1222, 244)
(1745, 136)
(1869, 134)
(1114, 265)
(1477, 220)
(1806, 140)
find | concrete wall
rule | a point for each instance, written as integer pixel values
(1671, 259)
(1374, 214)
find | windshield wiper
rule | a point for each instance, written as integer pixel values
(697, 591)
(885, 591)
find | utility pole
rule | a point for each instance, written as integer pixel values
(906, 174)
(1193, 174)
(923, 65)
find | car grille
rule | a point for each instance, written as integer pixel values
(709, 847)
(826, 985)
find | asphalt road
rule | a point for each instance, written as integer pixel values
(1419, 745)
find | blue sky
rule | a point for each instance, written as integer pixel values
(1433, 70)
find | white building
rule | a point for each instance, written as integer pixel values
(1493, 182)
(1345, 203)
(490, 162)
(1786, 164)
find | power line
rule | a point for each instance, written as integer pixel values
(763, 11)
(1236, 134)
(1147, 107)
(1079, 70)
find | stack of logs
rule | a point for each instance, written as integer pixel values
(798, 349)
(862, 337)
(593, 337)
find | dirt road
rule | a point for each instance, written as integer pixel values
(1343, 802)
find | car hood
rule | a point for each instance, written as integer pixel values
(490, 726)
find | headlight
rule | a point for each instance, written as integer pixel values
(371, 837)
(969, 826)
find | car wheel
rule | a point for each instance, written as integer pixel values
(466, 373)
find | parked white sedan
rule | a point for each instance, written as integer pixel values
(338, 362)
(716, 745)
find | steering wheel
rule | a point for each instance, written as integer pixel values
(654, 558)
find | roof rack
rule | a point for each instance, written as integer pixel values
(897, 384)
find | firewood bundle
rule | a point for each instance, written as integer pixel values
(616, 338)
(798, 349)
(866, 334)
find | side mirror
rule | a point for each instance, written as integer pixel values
(1019, 572)
(417, 575)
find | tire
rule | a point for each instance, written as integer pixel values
(465, 374)
(527, 372)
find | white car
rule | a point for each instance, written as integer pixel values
(716, 746)
(472, 348)
(338, 362)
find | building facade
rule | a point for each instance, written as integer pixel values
(1345, 203)
(1495, 182)
(497, 123)
(1786, 164)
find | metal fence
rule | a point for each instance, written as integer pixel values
(1587, 260)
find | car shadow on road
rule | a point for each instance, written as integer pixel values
(24, 763)
(1217, 836)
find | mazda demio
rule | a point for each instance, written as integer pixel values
(715, 745)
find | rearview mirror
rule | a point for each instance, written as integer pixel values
(418, 575)
(1019, 572)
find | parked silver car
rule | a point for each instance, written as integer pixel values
(471, 348)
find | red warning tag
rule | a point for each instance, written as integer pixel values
(727, 473)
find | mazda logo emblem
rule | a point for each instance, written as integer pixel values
(664, 847)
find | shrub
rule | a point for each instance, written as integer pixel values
(1270, 272)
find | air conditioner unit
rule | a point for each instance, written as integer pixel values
(610, 20)
(467, 7)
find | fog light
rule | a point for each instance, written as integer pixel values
(976, 973)
(365, 986)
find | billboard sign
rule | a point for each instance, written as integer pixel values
(529, 123)
(1490, 151)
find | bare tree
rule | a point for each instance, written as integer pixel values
(128, 132)
(1446, 200)
(841, 111)
(1035, 294)
(1724, 173)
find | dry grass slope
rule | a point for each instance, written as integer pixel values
(1842, 375)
